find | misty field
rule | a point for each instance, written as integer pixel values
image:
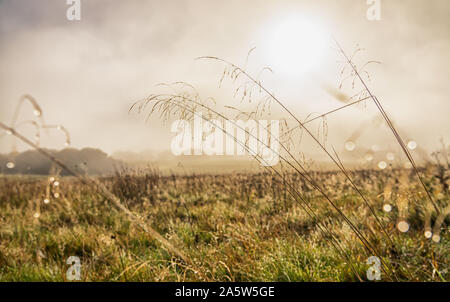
(231, 227)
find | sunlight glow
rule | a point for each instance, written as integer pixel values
(296, 45)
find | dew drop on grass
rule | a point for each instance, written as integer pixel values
(382, 165)
(390, 156)
(8, 132)
(387, 208)
(350, 146)
(56, 195)
(368, 156)
(436, 238)
(403, 226)
(46, 201)
(36, 215)
(412, 145)
(10, 165)
(37, 112)
(428, 234)
(51, 179)
(56, 183)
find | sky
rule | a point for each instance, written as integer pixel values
(86, 74)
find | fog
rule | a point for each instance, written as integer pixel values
(86, 74)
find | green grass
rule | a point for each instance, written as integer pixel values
(236, 227)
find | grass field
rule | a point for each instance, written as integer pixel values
(232, 227)
(239, 142)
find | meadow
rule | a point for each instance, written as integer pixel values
(230, 227)
(385, 219)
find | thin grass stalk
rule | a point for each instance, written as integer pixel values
(390, 124)
(258, 83)
(361, 237)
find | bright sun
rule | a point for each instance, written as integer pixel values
(296, 45)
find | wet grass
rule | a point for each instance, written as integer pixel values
(234, 227)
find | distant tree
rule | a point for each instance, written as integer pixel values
(86, 161)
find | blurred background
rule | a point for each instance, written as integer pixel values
(86, 74)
